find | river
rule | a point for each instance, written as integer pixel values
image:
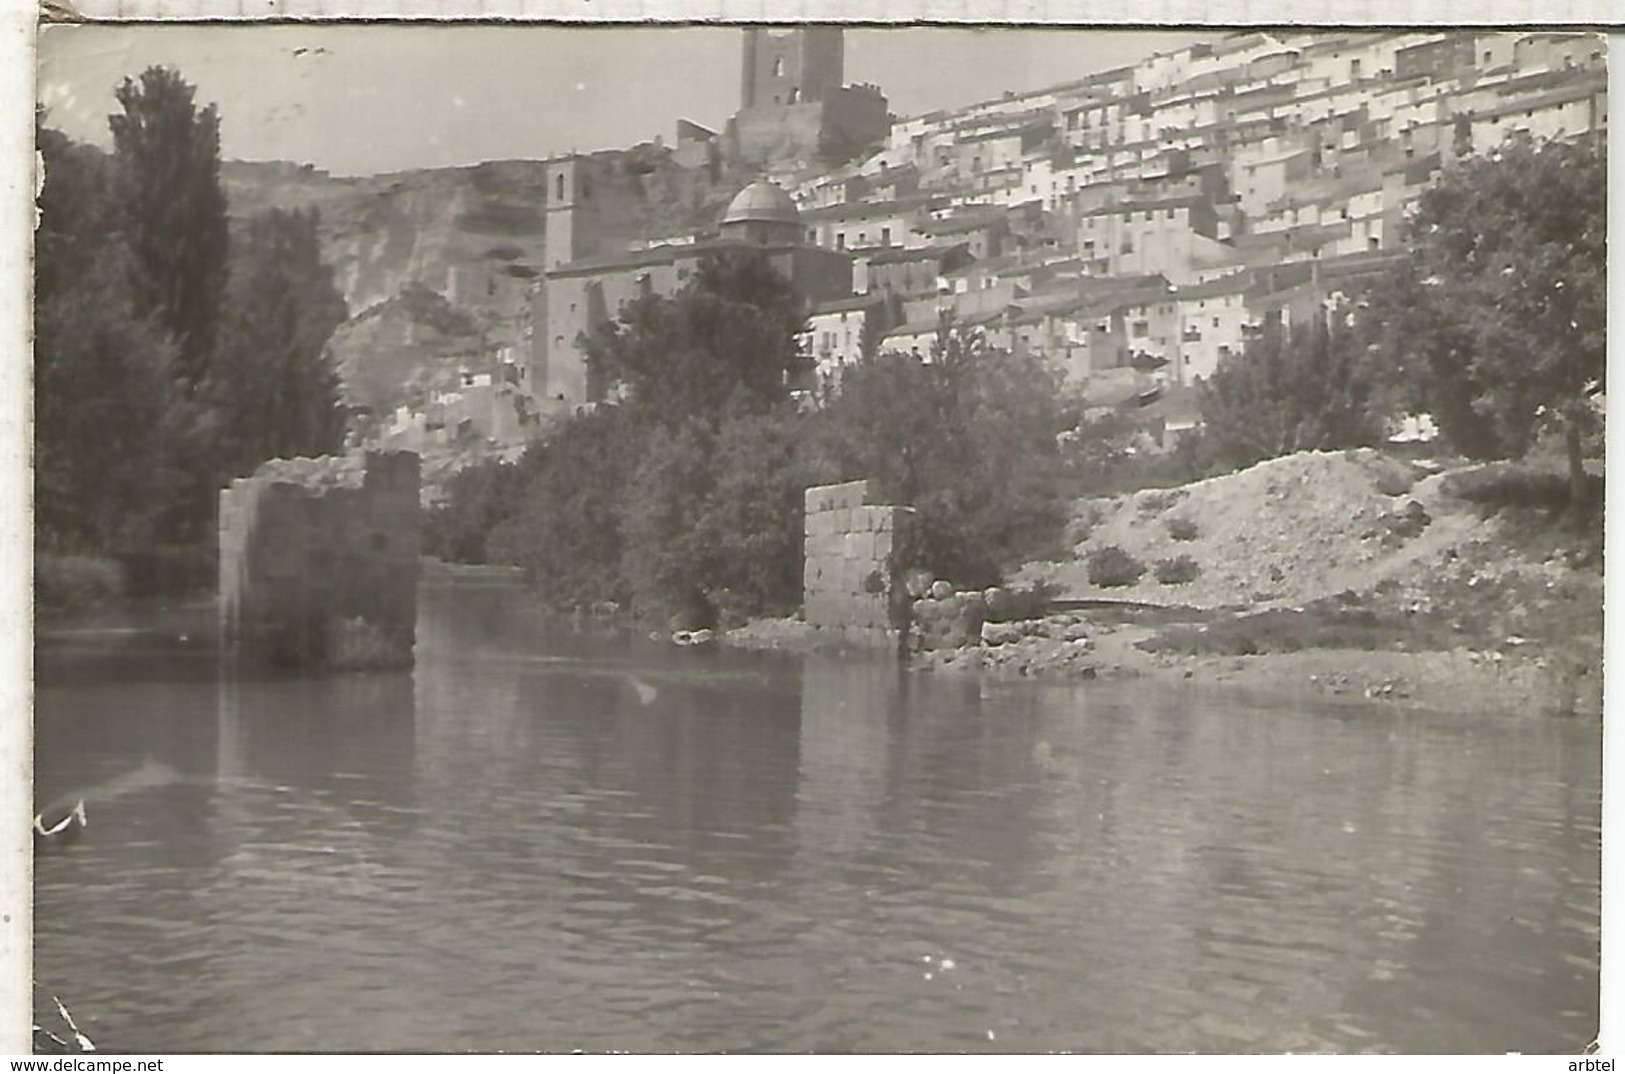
(554, 839)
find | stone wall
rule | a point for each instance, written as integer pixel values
(856, 556)
(319, 561)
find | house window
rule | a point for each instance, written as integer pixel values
(558, 188)
(812, 235)
(1141, 329)
(840, 241)
(885, 236)
(778, 67)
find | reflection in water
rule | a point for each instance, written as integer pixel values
(555, 838)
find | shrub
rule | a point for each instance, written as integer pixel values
(68, 582)
(1393, 479)
(1156, 501)
(565, 528)
(1183, 529)
(1508, 485)
(1083, 522)
(1177, 570)
(169, 571)
(479, 498)
(1023, 602)
(1111, 567)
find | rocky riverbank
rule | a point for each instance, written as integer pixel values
(1345, 576)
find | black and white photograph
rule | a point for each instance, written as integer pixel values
(817, 538)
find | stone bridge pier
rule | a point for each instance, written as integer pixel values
(856, 554)
(319, 561)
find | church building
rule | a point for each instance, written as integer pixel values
(587, 280)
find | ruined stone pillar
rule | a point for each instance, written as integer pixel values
(856, 554)
(319, 561)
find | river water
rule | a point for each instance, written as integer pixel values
(551, 839)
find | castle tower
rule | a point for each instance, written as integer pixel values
(794, 105)
(570, 231)
(783, 67)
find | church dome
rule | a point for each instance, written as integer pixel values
(762, 202)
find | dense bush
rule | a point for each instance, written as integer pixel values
(1109, 457)
(1110, 567)
(170, 570)
(1509, 485)
(1177, 570)
(65, 582)
(752, 520)
(565, 529)
(1310, 386)
(479, 498)
(1156, 501)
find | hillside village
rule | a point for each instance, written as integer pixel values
(1134, 227)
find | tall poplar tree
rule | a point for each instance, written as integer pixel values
(274, 386)
(166, 184)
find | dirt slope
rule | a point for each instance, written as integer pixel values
(1286, 531)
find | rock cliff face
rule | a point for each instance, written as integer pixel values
(440, 266)
(381, 233)
(406, 347)
(437, 266)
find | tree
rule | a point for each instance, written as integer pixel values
(888, 314)
(729, 336)
(968, 440)
(274, 385)
(479, 499)
(752, 520)
(666, 559)
(566, 528)
(1307, 387)
(172, 211)
(76, 212)
(107, 406)
(1498, 319)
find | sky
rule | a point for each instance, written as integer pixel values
(360, 100)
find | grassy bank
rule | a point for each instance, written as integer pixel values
(68, 584)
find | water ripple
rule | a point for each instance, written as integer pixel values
(496, 852)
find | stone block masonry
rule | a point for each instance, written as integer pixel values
(319, 562)
(856, 553)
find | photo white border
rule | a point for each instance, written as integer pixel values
(18, 30)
